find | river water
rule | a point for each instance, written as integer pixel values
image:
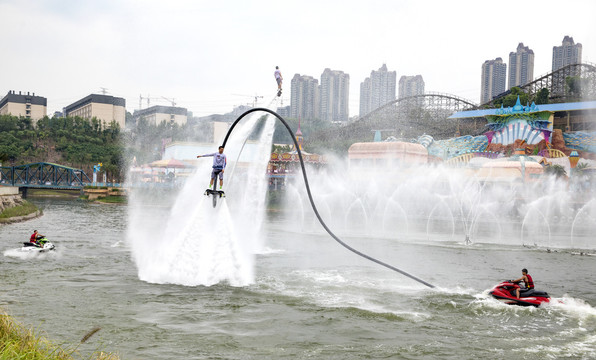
(310, 297)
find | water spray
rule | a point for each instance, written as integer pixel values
(312, 203)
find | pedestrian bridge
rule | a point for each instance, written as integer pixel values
(43, 175)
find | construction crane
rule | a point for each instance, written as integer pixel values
(170, 100)
(255, 97)
(149, 98)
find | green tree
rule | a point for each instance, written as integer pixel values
(280, 149)
(8, 123)
(511, 98)
(573, 85)
(542, 96)
(10, 147)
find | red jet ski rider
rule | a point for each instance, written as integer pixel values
(528, 282)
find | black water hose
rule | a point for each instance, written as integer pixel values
(312, 203)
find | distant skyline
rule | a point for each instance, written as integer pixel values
(521, 66)
(212, 56)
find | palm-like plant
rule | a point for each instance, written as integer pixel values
(557, 171)
(581, 167)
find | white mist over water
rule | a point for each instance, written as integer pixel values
(438, 203)
(194, 243)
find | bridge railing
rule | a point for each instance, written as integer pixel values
(105, 184)
(43, 175)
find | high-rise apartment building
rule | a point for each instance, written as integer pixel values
(335, 95)
(377, 90)
(566, 54)
(304, 97)
(494, 77)
(411, 86)
(365, 89)
(102, 107)
(521, 66)
(27, 105)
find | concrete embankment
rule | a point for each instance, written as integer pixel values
(105, 194)
(13, 208)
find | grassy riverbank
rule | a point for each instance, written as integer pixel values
(24, 209)
(53, 193)
(111, 199)
(19, 342)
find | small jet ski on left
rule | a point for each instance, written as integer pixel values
(42, 245)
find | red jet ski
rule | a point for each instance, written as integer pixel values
(505, 292)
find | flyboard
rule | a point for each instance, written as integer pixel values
(214, 193)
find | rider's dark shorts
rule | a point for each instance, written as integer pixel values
(215, 172)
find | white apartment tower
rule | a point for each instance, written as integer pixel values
(335, 91)
(377, 90)
(27, 105)
(106, 108)
(494, 77)
(566, 54)
(411, 86)
(521, 66)
(304, 97)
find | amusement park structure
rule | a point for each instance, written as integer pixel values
(432, 113)
(520, 137)
(569, 83)
(403, 118)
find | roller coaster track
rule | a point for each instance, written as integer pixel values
(428, 100)
(405, 118)
(556, 83)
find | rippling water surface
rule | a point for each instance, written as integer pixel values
(310, 299)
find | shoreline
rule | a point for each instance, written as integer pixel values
(23, 342)
(21, 218)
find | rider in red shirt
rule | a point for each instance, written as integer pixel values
(35, 236)
(528, 282)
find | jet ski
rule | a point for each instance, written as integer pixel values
(506, 290)
(42, 245)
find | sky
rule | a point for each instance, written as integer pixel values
(209, 56)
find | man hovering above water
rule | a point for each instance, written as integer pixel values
(219, 164)
(279, 80)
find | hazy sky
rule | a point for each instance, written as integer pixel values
(204, 54)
